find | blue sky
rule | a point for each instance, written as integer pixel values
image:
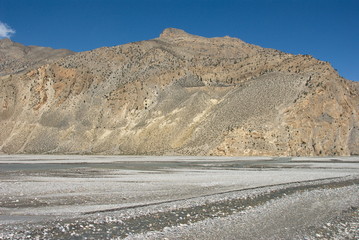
(326, 29)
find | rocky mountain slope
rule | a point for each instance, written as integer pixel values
(16, 58)
(180, 94)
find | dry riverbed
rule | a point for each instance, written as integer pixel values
(143, 197)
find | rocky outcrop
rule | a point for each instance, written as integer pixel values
(181, 94)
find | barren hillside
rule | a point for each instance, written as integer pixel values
(16, 58)
(180, 94)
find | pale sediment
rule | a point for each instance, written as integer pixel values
(196, 198)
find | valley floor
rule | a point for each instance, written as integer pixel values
(178, 197)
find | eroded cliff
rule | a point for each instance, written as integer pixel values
(181, 94)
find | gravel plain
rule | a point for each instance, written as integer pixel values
(177, 197)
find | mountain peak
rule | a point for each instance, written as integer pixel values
(174, 33)
(5, 42)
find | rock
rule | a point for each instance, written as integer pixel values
(16, 58)
(177, 94)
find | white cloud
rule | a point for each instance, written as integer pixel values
(5, 30)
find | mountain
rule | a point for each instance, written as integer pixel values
(16, 58)
(180, 94)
